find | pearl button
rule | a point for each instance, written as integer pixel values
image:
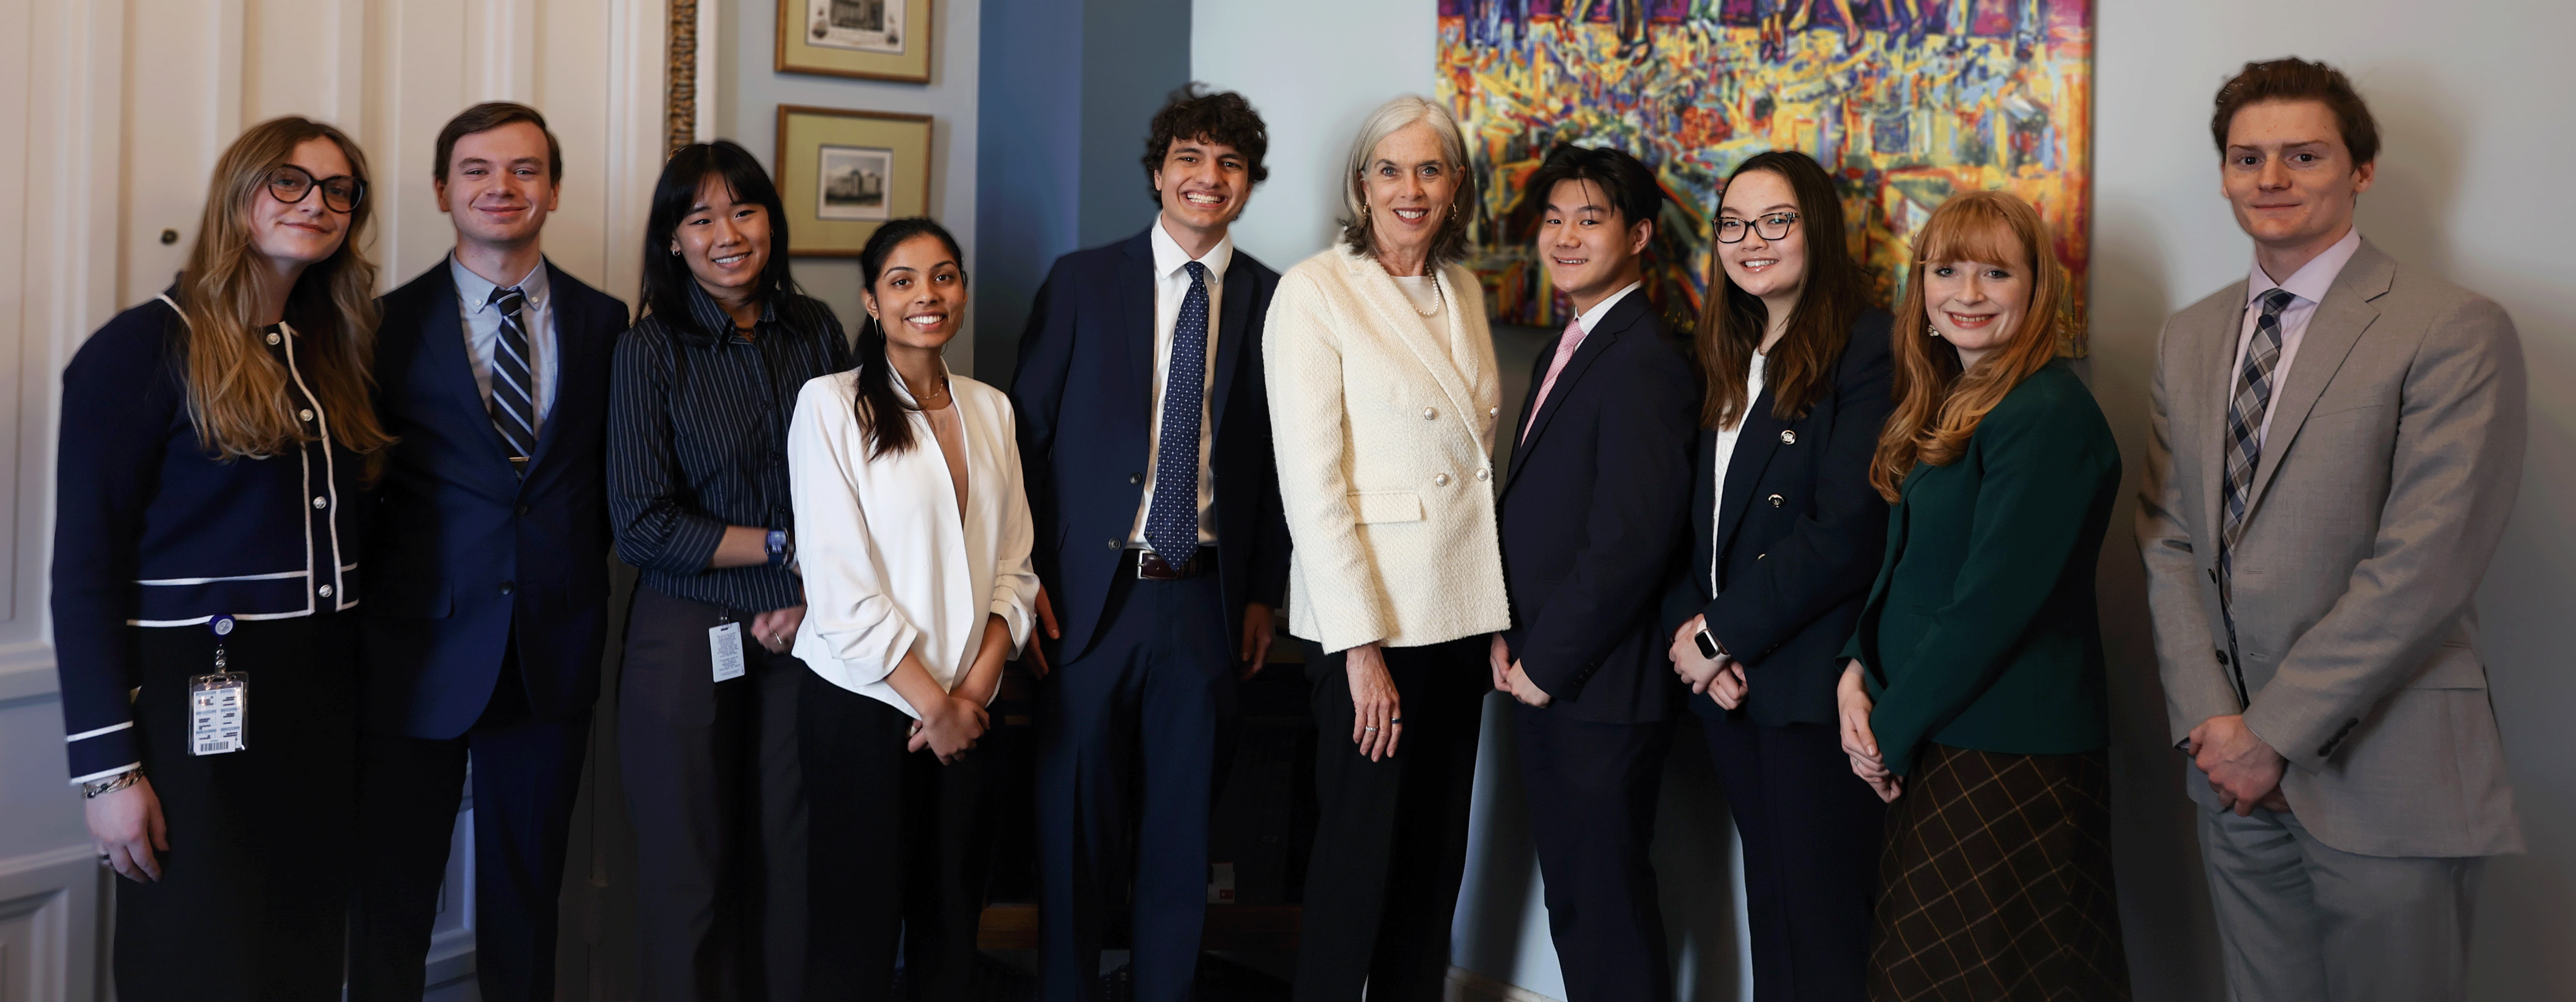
(1431, 414)
(1484, 474)
(1440, 480)
(1775, 500)
(1788, 437)
(305, 414)
(324, 591)
(272, 337)
(320, 503)
(1492, 411)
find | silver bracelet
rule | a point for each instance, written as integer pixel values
(111, 784)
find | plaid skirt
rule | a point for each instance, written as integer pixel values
(1995, 883)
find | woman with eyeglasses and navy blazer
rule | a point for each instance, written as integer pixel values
(215, 442)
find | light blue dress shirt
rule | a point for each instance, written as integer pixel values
(483, 332)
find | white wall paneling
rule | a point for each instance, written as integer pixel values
(49, 925)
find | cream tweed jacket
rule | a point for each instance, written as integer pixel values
(1385, 442)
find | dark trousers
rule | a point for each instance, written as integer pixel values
(1390, 835)
(1592, 795)
(899, 847)
(1128, 749)
(254, 887)
(1812, 833)
(718, 803)
(525, 773)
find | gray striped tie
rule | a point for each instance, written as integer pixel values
(514, 411)
(2245, 412)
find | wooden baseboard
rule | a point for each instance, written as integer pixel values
(1468, 986)
(1229, 927)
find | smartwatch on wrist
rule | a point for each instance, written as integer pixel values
(1708, 646)
(777, 543)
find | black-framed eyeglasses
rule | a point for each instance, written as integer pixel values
(292, 184)
(1774, 226)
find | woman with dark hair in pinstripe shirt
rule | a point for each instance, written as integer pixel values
(704, 387)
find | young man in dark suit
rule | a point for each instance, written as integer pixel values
(1592, 512)
(488, 574)
(1145, 435)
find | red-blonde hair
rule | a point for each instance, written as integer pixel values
(1937, 405)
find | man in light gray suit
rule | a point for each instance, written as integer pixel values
(2336, 444)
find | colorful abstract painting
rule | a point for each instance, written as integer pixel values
(1906, 101)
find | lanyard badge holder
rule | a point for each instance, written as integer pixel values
(724, 647)
(219, 702)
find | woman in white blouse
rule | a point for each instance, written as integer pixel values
(914, 539)
(1383, 397)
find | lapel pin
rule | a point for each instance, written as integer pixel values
(1788, 437)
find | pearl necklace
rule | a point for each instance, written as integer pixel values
(1438, 298)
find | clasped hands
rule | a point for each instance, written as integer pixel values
(1721, 677)
(1510, 677)
(1852, 703)
(2243, 769)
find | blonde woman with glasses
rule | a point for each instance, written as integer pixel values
(212, 439)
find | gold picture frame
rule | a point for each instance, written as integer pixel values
(841, 173)
(866, 39)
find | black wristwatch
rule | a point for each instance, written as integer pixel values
(1708, 646)
(778, 548)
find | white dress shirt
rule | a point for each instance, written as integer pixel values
(1171, 287)
(483, 332)
(2309, 285)
(1726, 456)
(891, 565)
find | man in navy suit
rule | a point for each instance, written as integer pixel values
(1145, 436)
(488, 574)
(1592, 510)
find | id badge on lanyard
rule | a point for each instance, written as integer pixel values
(724, 648)
(219, 702)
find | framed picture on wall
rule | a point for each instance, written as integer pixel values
(868, 39)
(842, 172)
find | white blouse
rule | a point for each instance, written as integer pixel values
(890, 565)
(1726, 455)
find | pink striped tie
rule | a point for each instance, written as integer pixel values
(1564, 350)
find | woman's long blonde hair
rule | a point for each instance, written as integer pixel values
(236, 390)
(1937, 405)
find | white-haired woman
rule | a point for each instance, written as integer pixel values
(1384, 395)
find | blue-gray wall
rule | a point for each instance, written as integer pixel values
(1060, 130)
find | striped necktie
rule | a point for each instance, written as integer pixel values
(1172, 518)
(514, 409)
(2245, 413)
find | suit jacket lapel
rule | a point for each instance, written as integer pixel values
(1613, 324)
(1135, 293)
(2199, 423)
(1754, 447)
(1233, 314)
(1396, 315)
(2336, 327)
(571, 342)
(442, 337)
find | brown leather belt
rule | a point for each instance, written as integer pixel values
(1152, 566)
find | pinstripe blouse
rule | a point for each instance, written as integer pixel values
(697, 441)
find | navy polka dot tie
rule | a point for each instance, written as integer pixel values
(1172, 522)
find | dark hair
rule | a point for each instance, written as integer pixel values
(874, 375)
(1222, 117)
(1832, 295)
(667, 279)
(1626, 181)
(2296, 79)
(491, 115)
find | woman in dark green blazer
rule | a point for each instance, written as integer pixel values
(1973, 700)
